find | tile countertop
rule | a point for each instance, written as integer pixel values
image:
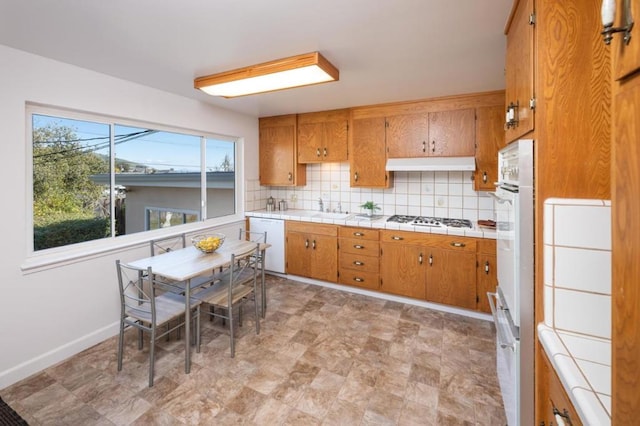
(379, 222)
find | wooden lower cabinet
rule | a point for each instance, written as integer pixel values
(486, 273)
(359, 253)
(312, 250)
(553, 401)
(437, 268)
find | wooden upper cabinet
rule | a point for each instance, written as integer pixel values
(626, 57)
(519, 69)
(407, 135)
(489, 140)
(323, 136)
(367, 157)
(433, 134)
(452, 133)
(278, 152)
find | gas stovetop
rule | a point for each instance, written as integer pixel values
(435, 222)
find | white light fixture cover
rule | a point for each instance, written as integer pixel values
(296, 71)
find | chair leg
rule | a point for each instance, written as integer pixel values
(152, 357)
(255, 294)
(240, 313)
(120, 345)
(140, 340)
(233, 347)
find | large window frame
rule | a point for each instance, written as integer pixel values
(38, 258)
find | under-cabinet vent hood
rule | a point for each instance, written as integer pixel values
(431, 164)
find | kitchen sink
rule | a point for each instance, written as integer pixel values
(330, 215)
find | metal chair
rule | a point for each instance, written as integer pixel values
(142, 309)
(261, 238)
(235, 285)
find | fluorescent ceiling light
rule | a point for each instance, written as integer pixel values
(300, 70)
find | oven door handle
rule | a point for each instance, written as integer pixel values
(500, 200)
(499, 330)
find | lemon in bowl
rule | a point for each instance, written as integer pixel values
(208, 243)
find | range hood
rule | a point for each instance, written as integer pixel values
(431, 164)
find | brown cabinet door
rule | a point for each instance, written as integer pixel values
(298, 254)
(452, 133)
(402, 269)
(486, 280)
(407, 136)
(324, 257)
(323, 136)
(336, 141)
(310, 142)
(367, 153)
(451, 277)
(519, 70)
(277, 145)
(489, 140)
(627, 56)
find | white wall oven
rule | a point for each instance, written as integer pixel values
(512, 303)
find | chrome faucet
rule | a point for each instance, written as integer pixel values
(338, 209)
(320, 204)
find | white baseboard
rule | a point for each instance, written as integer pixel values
(53, 357)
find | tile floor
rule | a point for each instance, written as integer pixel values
(323, 357)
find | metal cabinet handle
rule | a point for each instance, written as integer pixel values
(424, 146)
(395, 237)
(358, 234)
(355, 176)
(484, 177)
(562, 418)
(290, 177)
(486, 267)
(313, 244)
(325, 151)
(317, 152)
(358, 263)
(420, 259)
(433, 146)
(457, 244)
(358, 246)
(430, 260)
(358, 279)
(306, 243)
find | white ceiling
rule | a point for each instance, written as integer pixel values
(386, 50)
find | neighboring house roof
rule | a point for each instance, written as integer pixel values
(219, 180)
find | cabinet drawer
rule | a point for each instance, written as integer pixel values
(486, 246)
(311, 228)
(362, 279)
(358, 262)
(359, 247)
(358, 233)
(450, 242)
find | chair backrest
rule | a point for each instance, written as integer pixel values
(243, 268)
(256, 237)
(137, 293)
(167, 244)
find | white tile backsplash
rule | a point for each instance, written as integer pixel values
(583, 269)
(444, 194)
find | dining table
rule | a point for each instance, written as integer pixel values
(185, 264)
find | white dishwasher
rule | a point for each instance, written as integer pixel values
(275, 236)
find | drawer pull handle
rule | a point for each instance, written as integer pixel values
(395, 237)
(457, 244)
(358, 234)
(358, 279)
(358, 246)
(358, 263)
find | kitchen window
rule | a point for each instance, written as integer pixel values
(99, 178)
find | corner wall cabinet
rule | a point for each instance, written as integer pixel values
(278, 152)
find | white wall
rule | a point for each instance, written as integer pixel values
(49, 314)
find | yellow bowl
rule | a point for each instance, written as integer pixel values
(208, 243)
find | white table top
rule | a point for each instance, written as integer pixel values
(184, 264)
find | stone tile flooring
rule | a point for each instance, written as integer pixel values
(323, 357)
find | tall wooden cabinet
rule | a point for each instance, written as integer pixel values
(572, 132)
(625, 233)
(278, 152)
(489, 140)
